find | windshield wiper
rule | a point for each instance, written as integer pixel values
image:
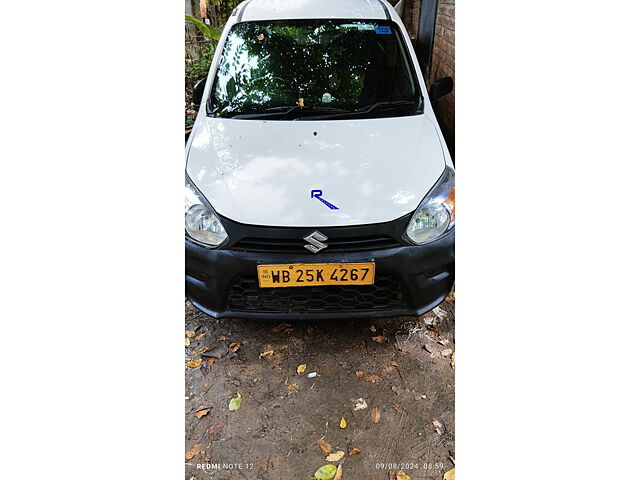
(388, 105)
(321, 112)
(385, 105)
(320, 108)
(286, 111)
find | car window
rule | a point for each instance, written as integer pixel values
(294, 68)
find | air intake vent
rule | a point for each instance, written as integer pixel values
(385, 294)
(289, 245)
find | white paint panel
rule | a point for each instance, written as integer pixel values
(289, 9)
(262, 172)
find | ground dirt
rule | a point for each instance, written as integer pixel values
(274, 432)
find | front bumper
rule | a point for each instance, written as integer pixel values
(424, 275)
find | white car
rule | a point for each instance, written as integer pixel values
(318, 182)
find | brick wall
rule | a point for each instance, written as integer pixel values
(410, 17)
(443, 65)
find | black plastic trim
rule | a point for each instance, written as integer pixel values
(386, 11)
(426, 273)
(237, 232)
(426, 34)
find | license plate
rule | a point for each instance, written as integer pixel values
(310, 274)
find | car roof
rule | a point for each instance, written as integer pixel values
(252, 10)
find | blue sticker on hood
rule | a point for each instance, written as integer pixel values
(318, 194)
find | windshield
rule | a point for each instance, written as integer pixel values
(294, 69)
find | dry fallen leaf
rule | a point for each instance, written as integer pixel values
(397, 407)
(264, 354)
(211, 361)
(201, 351)
(361, 404)
(372, 328)
(261, 36)
(375, 415)
(338, 473)
(394, 363)
(334, 457)
(343, 423)
(403, 350)
(202, 413)
(221, 337)
(354, 451)
(199, 336)
(218, 352)
(446, 352)
(194, 363)
(402, 476)
(325, 446)
(372, 379)
(294, 387)
(283, 327)
(301, 368)
(450, 475)
(379, 338)
(190, 333)
(192, 451)
(359, 373)
(234, 346)
(187, 342)
(438, 426)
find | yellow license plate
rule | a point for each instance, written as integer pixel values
(310, 274)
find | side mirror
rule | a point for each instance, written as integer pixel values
(440, 88)
(198, 90)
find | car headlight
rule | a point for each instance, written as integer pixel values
(200, 221)
(436, 215)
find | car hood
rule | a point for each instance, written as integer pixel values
(263, 172)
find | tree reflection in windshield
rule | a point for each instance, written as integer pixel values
(311, 63)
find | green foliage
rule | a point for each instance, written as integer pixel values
(208, 31)
(199, 67)
(235, 402)
(326, 472)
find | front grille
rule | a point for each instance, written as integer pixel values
(385, 294)
(296, 245)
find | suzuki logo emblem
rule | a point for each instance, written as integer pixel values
(315, 240)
